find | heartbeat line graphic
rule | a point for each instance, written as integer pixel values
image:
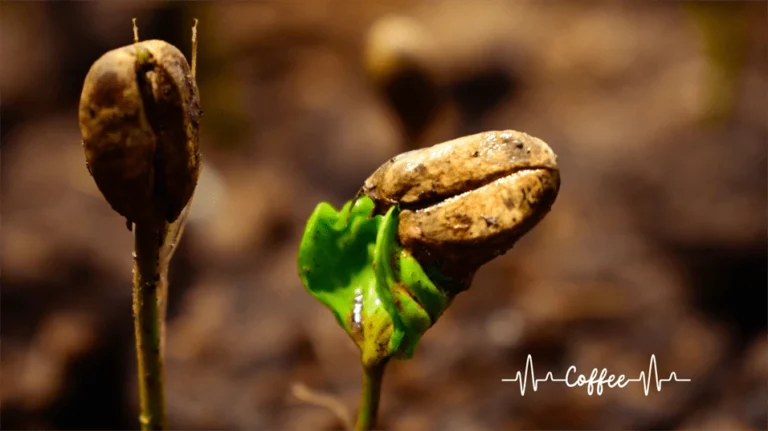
(596, 380)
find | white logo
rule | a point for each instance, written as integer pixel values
(596, 380)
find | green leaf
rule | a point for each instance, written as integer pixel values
(407, 293)
(352, 263)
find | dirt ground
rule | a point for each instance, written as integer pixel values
(656, 244)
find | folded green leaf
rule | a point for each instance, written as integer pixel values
(351, 262)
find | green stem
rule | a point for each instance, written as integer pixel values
(369, 398)
(148, 325)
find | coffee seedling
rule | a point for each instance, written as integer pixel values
(139, 119)
(391, 261)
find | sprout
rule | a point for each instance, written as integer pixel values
(139, 119)
(391, 261)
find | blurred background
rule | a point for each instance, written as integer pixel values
(655, 245)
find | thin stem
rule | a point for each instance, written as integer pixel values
(369, 398)
(171, 241)
(147, 280)
(162, 302)
(329, 402)
(194, 49)
(135, 31)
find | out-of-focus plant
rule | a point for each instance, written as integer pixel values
(410, 68)
(398, 63)
(139, 119)
(723, 28)
(391, 261)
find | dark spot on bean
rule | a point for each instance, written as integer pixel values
(490, 221)
(509, 202)
(464, 221)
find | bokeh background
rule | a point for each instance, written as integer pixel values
(656, 244)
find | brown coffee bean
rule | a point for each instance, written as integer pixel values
(139, 119)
